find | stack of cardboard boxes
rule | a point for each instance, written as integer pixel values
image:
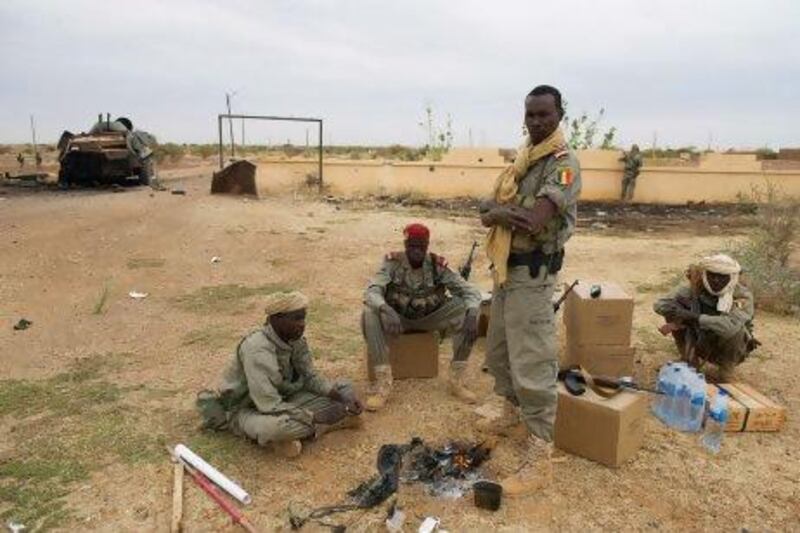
(598, 333)
(598, 330)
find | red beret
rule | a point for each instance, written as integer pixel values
(417, 232)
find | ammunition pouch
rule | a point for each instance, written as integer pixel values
(535, 259)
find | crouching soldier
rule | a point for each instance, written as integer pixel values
(416, 291)
(270, 391)
(711, 318)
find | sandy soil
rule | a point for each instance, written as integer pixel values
(58, 250)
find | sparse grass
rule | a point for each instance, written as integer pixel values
(210, 338)
(653, 341)
(65, 427)
(145, 262)
(99, 306)
(223, 298)
(219, 448)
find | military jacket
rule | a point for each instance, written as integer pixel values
(725, 325)
(415, 293)
(265, 371)
(558, 178)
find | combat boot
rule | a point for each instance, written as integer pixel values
(379, 390)
(455, 383)
(287, 448)
(536, 472)
(498, 421)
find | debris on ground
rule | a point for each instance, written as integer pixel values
(179, 192)
(429, 525)
(138, 295)
(216, 259)
(237, 178)
(23, 324)
(447, 472)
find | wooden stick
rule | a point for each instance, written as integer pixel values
(177, 498)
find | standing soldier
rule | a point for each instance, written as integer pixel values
(633, 163)
(21, 160)
(531, 216)
(410, 293)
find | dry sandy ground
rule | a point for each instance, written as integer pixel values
(100, 383)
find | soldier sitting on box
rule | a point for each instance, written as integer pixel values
(410, 293)
(711, 319)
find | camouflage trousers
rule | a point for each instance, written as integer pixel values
(628, 186)
(448, 318)
(723, 352)
(521, 351)
(294, 422)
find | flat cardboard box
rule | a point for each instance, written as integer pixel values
(606, 319)
(749, 410)
(610, 360)
(609, 431)
(412, 355)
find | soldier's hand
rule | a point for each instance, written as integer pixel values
(354, 406)
(685, 316)
(470, 330)
(391, 320)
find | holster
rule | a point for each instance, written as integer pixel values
(535, 259)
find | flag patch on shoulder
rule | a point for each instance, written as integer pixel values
(566, 176)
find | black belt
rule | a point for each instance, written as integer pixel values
(535, 259)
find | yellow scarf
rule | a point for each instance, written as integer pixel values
(498, 242)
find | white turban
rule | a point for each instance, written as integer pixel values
(285, 302)
(722, 264)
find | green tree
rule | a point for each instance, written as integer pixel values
(583, 130)
(440, 137)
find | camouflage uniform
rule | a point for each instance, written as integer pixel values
(273, 390)
(633, 162)
(521, 350)
(420, 297)
(724, 339)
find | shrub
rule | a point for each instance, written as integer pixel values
(765, 254)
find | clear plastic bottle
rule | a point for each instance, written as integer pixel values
(659, 403)
(715, 423)
(698, 403)
(684, 400)
(671, 410)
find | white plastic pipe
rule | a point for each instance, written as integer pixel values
(194, 460)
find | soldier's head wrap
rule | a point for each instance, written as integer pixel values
(285, 302)
(721, 264)
(417, 232)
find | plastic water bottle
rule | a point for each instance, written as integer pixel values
(671, 411)
(659, 404)
(698, 403)
(715, 423)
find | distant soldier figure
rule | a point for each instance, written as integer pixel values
(38, 159)
(633, 164)
(711, 318)
(416, 291)
(21, 160)
(270, 391)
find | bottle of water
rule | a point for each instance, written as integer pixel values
(660, 401)
(684, 400)
(698, 403)
(671, 409)
(715, 423)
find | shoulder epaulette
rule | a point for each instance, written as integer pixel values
(440, 261)
(394, 256)
(562, 154)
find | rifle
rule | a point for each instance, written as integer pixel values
(576, 380)
(557, 304)
(466, 268)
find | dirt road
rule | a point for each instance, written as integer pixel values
(100, 382)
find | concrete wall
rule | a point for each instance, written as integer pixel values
(715, 179)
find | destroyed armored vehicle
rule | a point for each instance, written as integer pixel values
(111, 153)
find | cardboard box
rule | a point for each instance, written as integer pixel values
(412, 355)
(606, 319)
(748, 409)
(610, 360)
(607, 431)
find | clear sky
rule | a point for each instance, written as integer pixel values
(688, 71)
